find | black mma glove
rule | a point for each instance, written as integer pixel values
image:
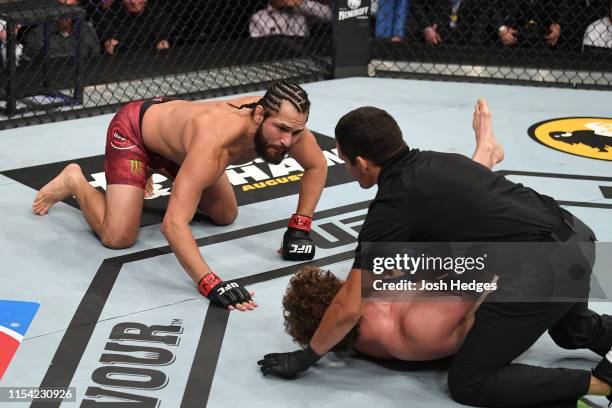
(297, 244)
(222, 294)
(288, 365)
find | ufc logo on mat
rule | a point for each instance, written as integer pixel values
(227, 287)
(300, 249)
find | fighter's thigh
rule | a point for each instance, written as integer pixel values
(122, 216)
(219, 202)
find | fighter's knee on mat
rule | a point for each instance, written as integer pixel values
(462, 390)
(117, 241)
(224, 216)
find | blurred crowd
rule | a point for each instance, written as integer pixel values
(117, 26)
(576, 24)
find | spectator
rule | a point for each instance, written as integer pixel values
(134, 24)
(580, 15)
(599, 33)
(530, 22)
(391, 19)
(451, 21)
(288, 17)
(62, 38)
(3, 39)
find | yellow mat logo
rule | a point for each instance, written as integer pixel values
(583, 136)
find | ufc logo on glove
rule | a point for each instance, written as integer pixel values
(297, 244)
(227, 287)
(301, 249)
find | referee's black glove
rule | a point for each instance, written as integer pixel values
(288, 365)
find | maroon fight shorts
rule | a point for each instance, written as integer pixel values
(127, 159)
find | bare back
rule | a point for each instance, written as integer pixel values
(171, 128)
(416, 330)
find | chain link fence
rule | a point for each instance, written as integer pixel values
(65, 59)
(556, 42)
(72, 58)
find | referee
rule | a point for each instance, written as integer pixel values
(426, 196)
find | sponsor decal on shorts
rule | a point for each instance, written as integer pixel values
(581, 136)
(119, 142)
(136, 167)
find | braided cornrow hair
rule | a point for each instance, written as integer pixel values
(276, 94)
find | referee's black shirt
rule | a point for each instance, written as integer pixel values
(443, 197)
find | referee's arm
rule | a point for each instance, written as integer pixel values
(341, 316)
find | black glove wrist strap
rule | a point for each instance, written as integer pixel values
(311, 355)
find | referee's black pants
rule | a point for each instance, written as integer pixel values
(482, 372)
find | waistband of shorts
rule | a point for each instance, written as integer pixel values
(150, 102)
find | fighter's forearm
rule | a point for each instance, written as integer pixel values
(186, 250)
(341, 316)
(337, 322)
(311, 187)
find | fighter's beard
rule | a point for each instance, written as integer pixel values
(265, 151)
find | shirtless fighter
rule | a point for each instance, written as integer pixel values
(194, 142)
(417, 330)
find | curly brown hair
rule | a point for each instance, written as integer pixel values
(308, 295)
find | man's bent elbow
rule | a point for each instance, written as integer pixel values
(169, 228)
(322, 165)
(319, 165)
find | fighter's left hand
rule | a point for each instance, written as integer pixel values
(297, 244)
(288, 365)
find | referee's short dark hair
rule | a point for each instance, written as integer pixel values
(370, 133)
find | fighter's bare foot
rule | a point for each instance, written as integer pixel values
(483, 128)
(498, 153)
(56, 190)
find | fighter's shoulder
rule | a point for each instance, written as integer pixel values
(240, 101)
(308, 137)
(221, 121)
